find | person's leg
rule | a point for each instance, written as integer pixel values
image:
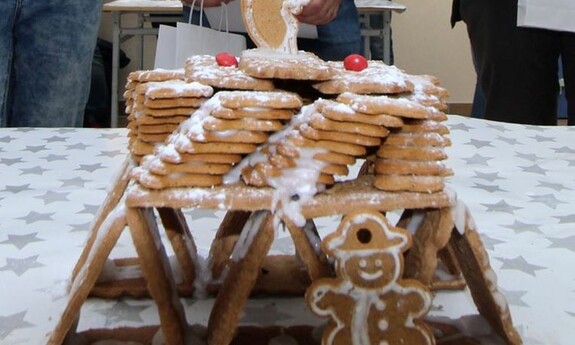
(53, 51)
(478, 106)
(8, 12)
(568, 59)
(517, 67)
(342, 36)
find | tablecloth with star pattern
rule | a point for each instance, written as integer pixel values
(518, 182)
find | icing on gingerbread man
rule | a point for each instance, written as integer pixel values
(368, 303)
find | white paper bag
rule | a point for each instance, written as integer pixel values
(556, 15)
(166, 48)
(194, 40)
(176, 44)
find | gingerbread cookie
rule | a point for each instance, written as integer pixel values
(377, 78)
(268, 64)
(205, 69)
(342, 112)
(368, 302)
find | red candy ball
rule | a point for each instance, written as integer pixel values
(226, 59)
(355, 62)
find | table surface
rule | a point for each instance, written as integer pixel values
(517, 181)
(171, 5)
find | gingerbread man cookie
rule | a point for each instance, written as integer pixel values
(368, 303)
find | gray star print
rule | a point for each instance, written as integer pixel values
(477, 159)
(50, 197)
(35, 149)
(21, 241)
(461, 127)
(514, 297)
(80, 227)
(110, 154)
(535, 169)
(548, 199)
(10, 161)
(12, 322)
(551, 185)
(122, 311)
(6, 139)
(77, 146)
(520, 264)
(17, 189)
(480, 143)
(491, 177)
(527, 156)
(90, 167)
(488, 188)
(74, 182)
(37, 170)
(20, 266)
(55, 139)
(89, 209)
(519, 227)
(566, 219)
(489, 242)
(510, 141)
(565, 243)
(501, 206)
(33, 217)
(565, 149)
(53, 158)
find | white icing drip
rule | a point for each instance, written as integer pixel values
(297, 185)
(312, 237)
(203, 278)
(415, 221)
(247, 235)
(111, 272)
(460, 215)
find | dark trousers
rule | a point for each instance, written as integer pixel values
(517, 67)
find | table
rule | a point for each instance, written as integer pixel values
(516, 180)
(383, 8)
(171, 11)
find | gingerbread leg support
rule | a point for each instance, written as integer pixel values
(157, 271)
(112, 199)
(183, 244)
(474, 263)
(225, 240)
(96, 255)
(313, 258)
(432, 229)
(247, 259)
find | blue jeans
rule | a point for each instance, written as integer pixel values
(46, 52)
(342, 36)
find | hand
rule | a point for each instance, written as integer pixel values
(319, 12)
(207, 3)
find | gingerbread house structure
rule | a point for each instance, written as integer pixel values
(270, 139)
